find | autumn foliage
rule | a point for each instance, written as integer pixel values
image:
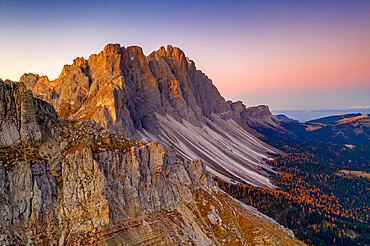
(320, 206)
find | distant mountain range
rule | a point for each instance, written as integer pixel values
(283, 117)
(332, 119)
(307, 115)
(336, 129)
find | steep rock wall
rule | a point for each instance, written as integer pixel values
(82, 184)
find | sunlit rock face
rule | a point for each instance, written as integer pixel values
(72, 182)
(160, 97)
(122, 88)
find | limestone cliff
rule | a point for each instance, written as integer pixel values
(72, 182)
(259, 116)
(161, 97)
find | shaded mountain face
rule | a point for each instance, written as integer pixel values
(71, 182)
(161, 97)
(283, 117)
(338, 129)
(354, 130)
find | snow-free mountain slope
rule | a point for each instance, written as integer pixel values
(160, 97)
(72, 182)
(284, 117)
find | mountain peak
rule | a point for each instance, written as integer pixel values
(171, 52)
(79, 61)
(111, 49)
(30, 76)
(260, 109)
(153, 98)
(30, 79)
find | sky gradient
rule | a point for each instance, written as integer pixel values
(302, 55)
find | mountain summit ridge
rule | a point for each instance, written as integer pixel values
(161, 97)
(167, 70)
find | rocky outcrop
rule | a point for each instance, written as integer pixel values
(149, 98)
(259, 116)
(17, 115)
(73, 182)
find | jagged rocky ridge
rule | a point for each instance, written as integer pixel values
(72, 182)
(161, 97)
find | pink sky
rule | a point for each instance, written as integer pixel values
(253, 51)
